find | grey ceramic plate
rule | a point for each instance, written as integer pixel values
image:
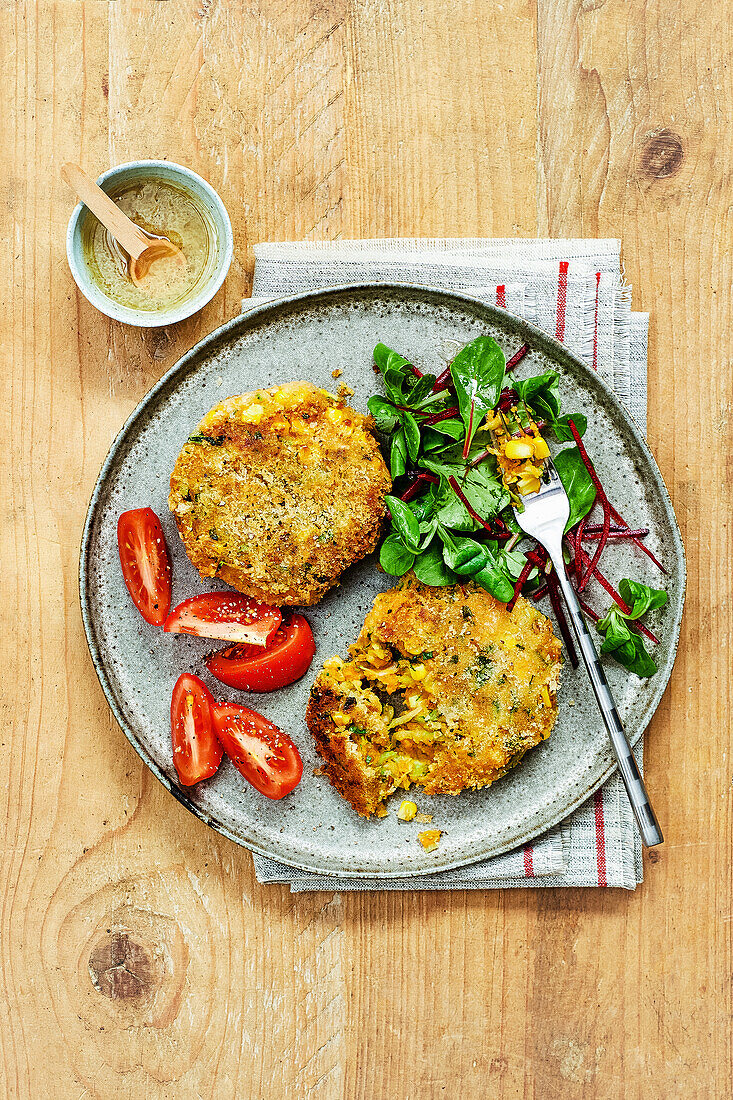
(309, 336)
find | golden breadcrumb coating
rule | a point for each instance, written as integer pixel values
(444, 688)
(278, 491)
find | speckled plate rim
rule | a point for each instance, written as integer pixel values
(536, 339)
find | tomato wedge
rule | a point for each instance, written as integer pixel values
(228, 616)
(264, 755)
(196, 751)
(146, 563)
(284, 660)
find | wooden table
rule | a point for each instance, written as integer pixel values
(140, 958)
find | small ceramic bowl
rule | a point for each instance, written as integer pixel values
(221, 257)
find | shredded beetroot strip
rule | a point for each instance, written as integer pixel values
(443, 381)
(507, 398)
(615, 515)
(593, 530)
(478, 459)
(471, 511)
(538, 556)
(521, 581)
(601, 544)
(411, 490)
(437, 417)
(517, 357)
(562, 622)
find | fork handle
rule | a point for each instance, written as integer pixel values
(651, 833)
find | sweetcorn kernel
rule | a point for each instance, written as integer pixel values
(253, 414)
(407, 810)
(541, 450)
(429, 839)
(528, 485)
(518, 449)
(341, 719)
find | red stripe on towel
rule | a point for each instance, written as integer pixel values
(528, 864)
(600, 839)
(562, 294)
(501, 296)
(595, 323)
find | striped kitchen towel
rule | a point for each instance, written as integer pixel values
(575, 290)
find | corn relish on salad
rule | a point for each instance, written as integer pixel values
(519, 448)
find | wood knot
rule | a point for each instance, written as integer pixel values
(662, 155)
(122, 969)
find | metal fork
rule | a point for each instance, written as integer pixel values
(545, 515)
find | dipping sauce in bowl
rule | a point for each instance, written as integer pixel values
(166, 200)
(164, 210)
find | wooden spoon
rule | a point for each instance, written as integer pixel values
(141, 247)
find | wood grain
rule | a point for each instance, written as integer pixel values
(138, 955)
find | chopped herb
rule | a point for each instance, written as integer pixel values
(212, 440)
(213, 535)
(483, 670)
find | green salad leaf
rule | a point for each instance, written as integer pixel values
(405, 522)
(430, 568)
(481, 487)
(624, 644)
(561, 426)
(442, 434)
(495, 580)
(464, 556)
(478, 375)
(541, 393)
(577, 482)
(640, 598)
(394, 557)
(385, 414)
(412, 435)
(398, 454)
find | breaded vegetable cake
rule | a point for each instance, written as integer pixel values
(278, 491)
(444, 688)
